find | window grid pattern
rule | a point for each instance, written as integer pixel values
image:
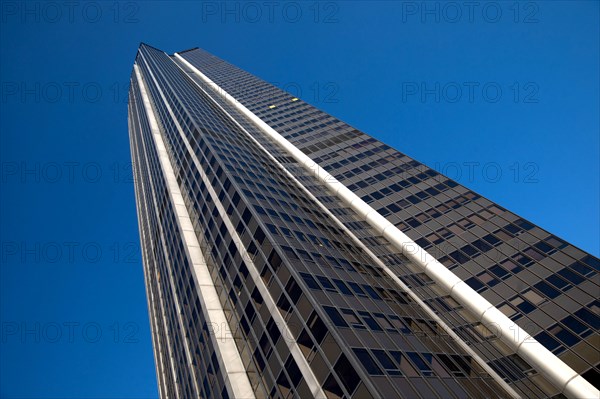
(496, 252)
(360, 334)
(219, 148)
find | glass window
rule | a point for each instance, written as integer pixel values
(399, 324)
(469, 250)
(317, 327)
(406, 367)
(272, 229)
(286, 232)
(326, 284)
(342, 287)
(588, 317)
(335, 316)
(310, 281)
(592, 262)
(332, 388)
(557, 282)
(367, 361)
(293, 290)
(369, 321)
(346, 373)
(548, 341)
(581, 269)
(482, 245)
(492, 239)
(283, 303)
(505, 368)
(525, 225)
(544, 247)
(547, 290)
(523, 305)
(571, 276)
(511, 266)
(532, 253)
(352, 319)
(459, 256)
(523, 260)
(563, 334)
(476, 284)
(499, 271)
(389, 366)
(305, 340)
(383, 321)
(372, 293)
(357, 290)
(290, 252)
(451, 365)
(300, 236)
(488, 279)
(575, 325)
(423, 363)
(293, 371)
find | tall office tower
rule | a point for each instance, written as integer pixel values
(287, 254)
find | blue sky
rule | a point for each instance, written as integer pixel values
(501, 97)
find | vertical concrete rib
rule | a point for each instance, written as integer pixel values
(156, 342)
(280, 322)
(161, 306)
(171, 279)
(230, 362)
(388, 271)
(554, 369)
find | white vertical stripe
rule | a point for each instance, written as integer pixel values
(390, 273)
(230, 362)
(156, 342)
(554, 369)
(169, 275)
(161, 302)
(280, 322)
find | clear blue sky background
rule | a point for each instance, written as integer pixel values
(71, 267)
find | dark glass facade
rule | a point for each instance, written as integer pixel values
(311, 298)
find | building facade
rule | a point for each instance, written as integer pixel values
(287, 254)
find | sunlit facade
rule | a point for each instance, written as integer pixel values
(287, 254)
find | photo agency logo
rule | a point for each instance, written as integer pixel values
(316, 92)
(470, 92)
(472, 12)
(69, 12)
(69, 332)
(467, 172)
(252, 12)
(69, 252)
(63, 92)
(67, 172)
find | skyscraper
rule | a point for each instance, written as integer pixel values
(287, 254)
